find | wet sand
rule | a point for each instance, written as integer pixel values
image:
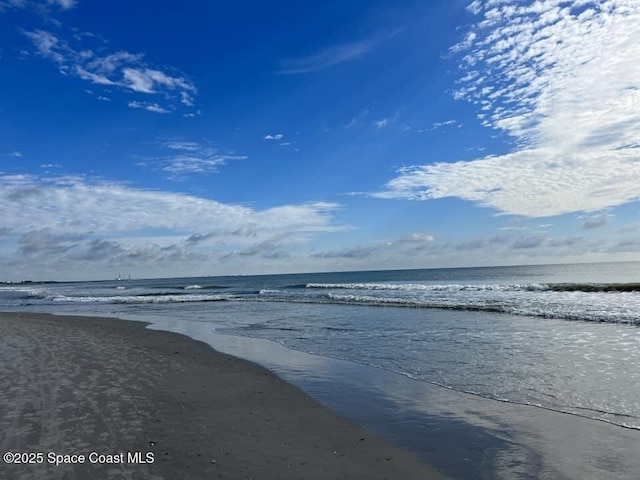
(463, 435)
(112, 391)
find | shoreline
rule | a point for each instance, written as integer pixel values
(83, 385)
(463, 435)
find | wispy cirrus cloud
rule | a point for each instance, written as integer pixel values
(359, 118)
(149, 106)
(335, 54)
(42, 4)
(179, 158)
(14, 154)
(64, 4)
(122, 69)
(561, 78)
(385, 121)
(328, 57)
(443, 124)
(7, 4)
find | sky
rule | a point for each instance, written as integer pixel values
(249, 137)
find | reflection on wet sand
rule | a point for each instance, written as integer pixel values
(464, 435)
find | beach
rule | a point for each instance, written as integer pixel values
(92, 398)
(497, 373)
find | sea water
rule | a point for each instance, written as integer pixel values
(558, 337)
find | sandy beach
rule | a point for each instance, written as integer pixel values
(108, 398)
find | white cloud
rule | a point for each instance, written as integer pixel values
(137, 80)
(37, 4)
(381, 123)
(184, 164)
(182, 145)
(358, 118)
(561, 78)
(186, 98)
(47, 45)
(187, 157)
(121, 69)
(386, 121)
(147, 80)
(515, 228)
(417, 237)
(64, 4)
(113, 62)
(437, 125)
(77, 219)
(12, 4)
(90, 76)
(277, 136)
(151, 107)
(15, 154)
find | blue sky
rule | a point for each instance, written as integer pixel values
(208, 138)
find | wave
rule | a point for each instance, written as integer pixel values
(593, 302)
(140, 299)
(194, 286)
(205, 287)
(529, 287)
(22, 293)
(552, 311)
(594, 287)
(562, 312)
(429, 287)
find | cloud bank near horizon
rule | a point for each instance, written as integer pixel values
(71, 220)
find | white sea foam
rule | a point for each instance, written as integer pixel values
(430, 287)
(141, 299)
(269, 291)
(593, 307)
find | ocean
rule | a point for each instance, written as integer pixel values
(563, 338)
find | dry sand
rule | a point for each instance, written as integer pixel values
(92, 386)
